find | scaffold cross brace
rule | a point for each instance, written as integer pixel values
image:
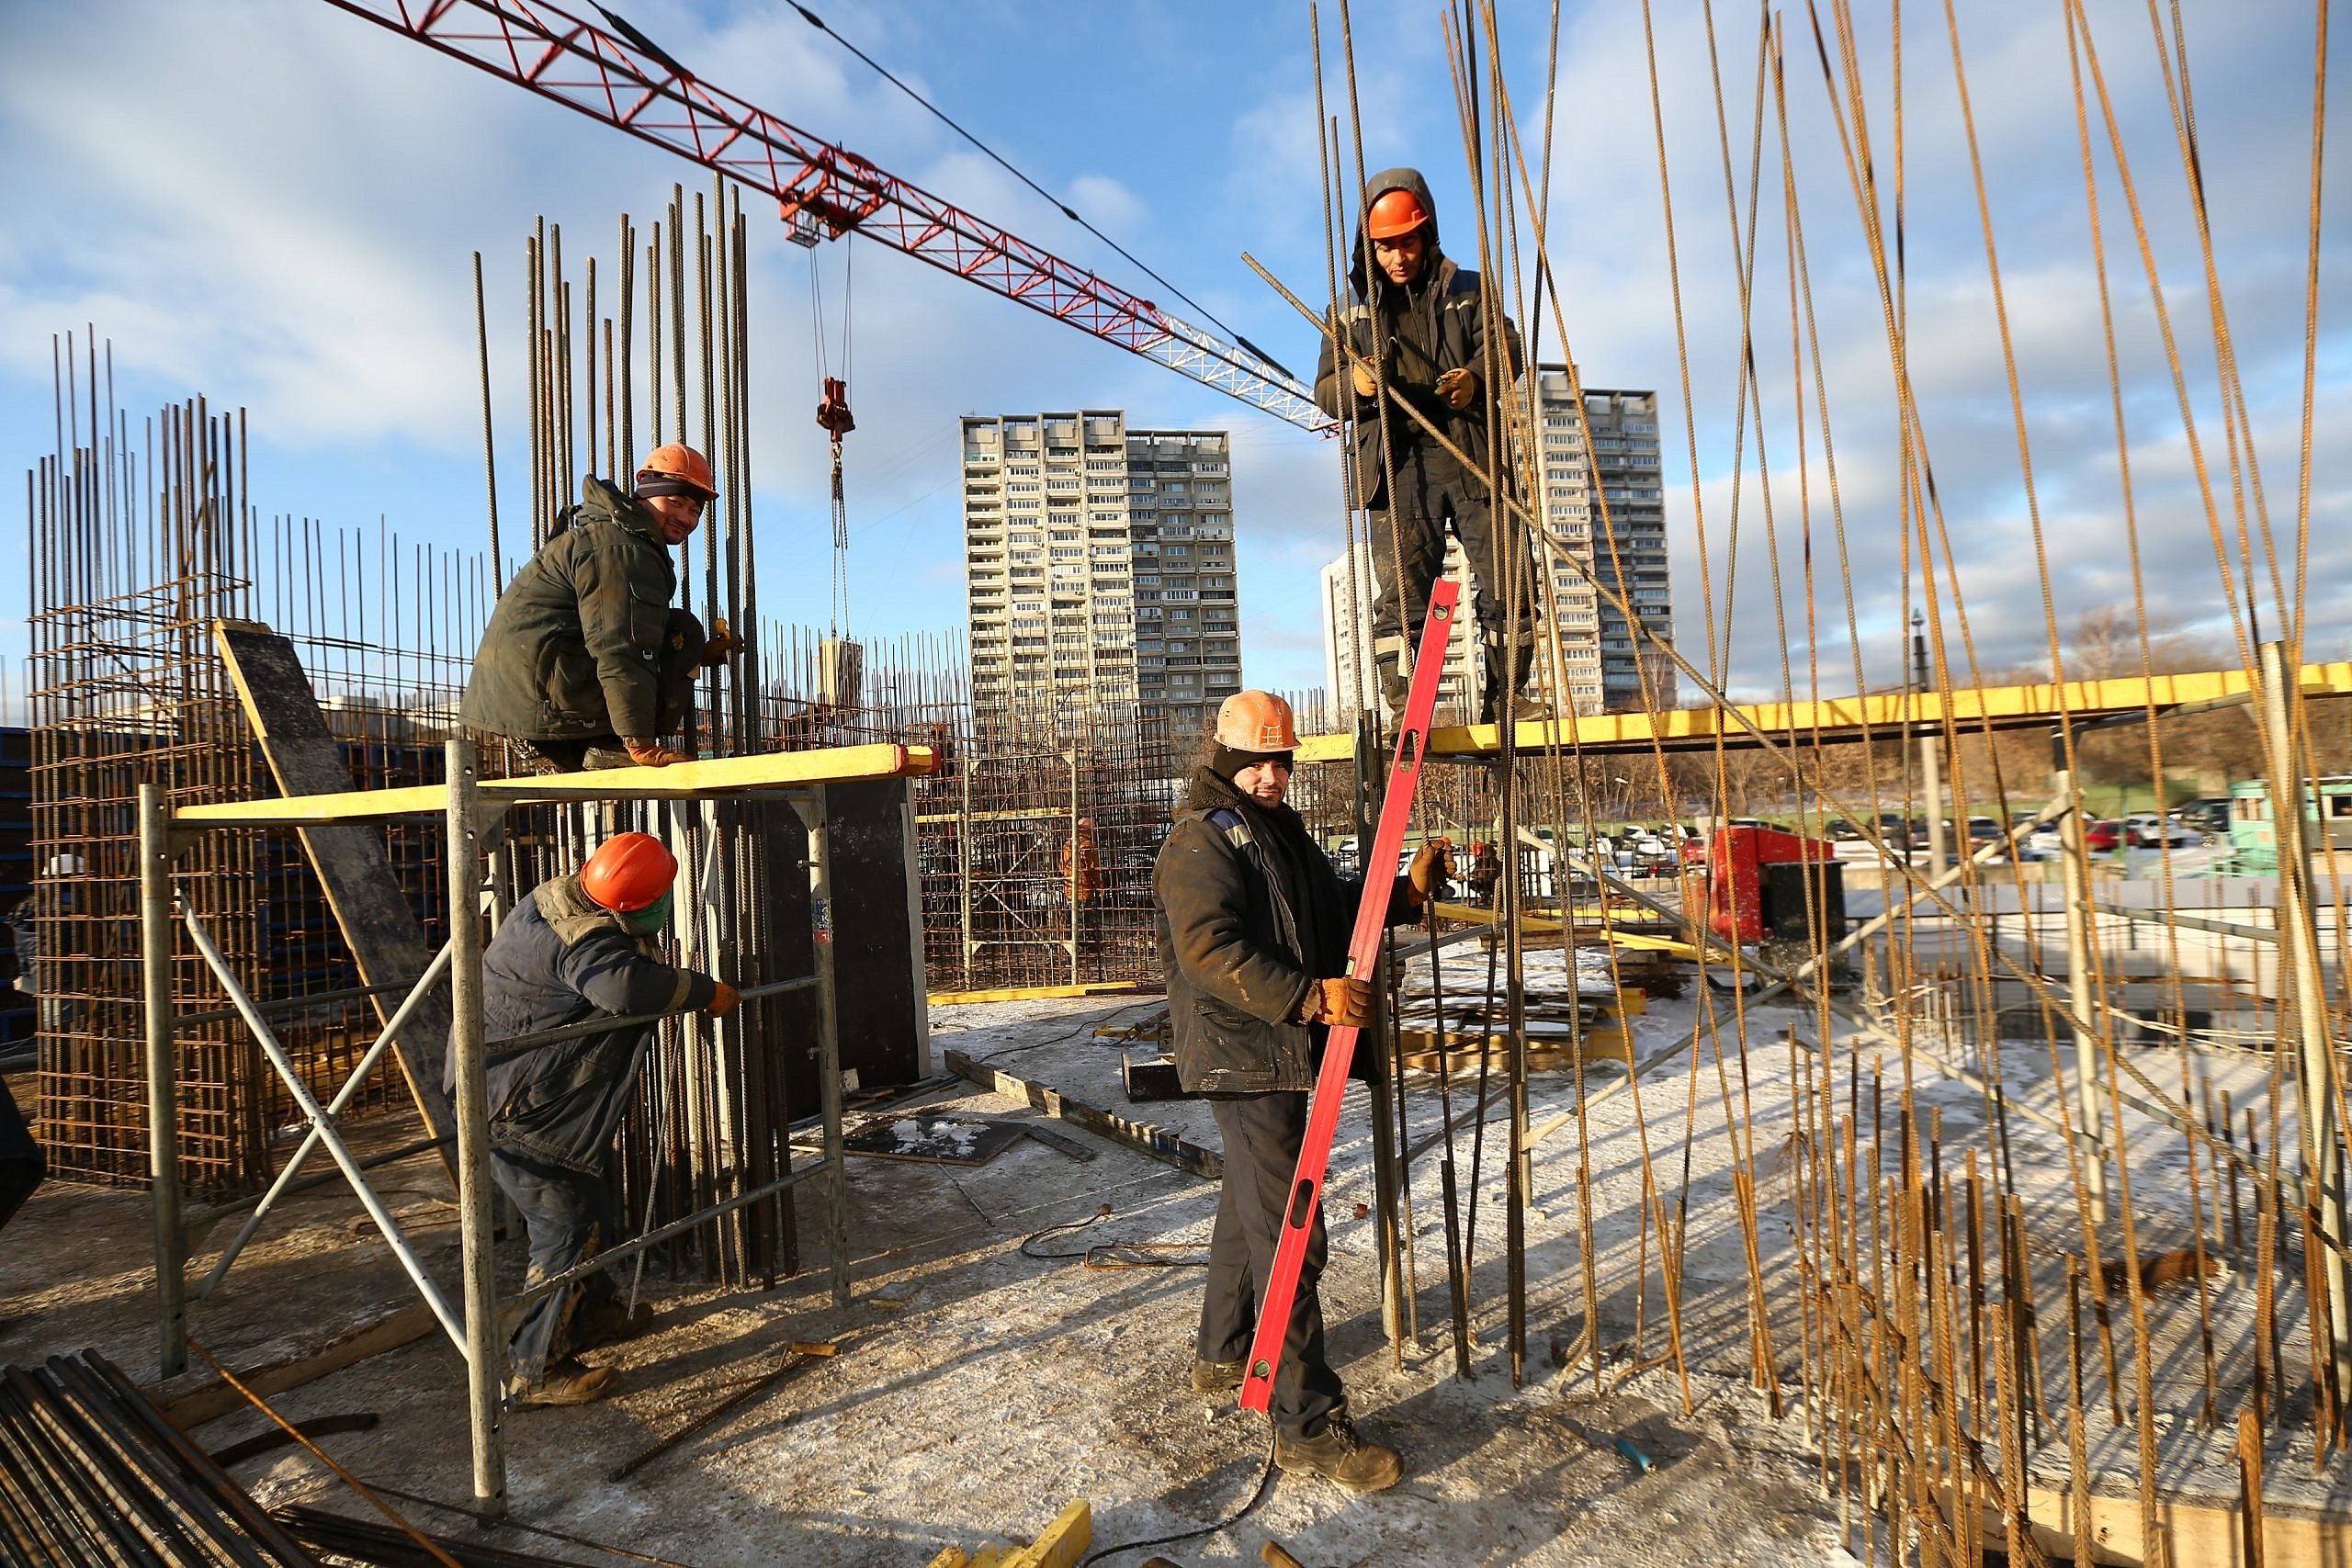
(1364, 950)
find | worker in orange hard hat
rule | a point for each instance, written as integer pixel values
(578, 947)
(1253, 923)
(1417, 327)
(586, 662)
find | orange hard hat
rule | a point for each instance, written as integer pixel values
(1255, 721)
(677, 460)
(628, 873)
(1396, 213)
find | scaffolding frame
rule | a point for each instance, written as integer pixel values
(471, 807)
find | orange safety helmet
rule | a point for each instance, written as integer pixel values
(677, 460)
(1255, 721)
(628, 873)
(1396, 213)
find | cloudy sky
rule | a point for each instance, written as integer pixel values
(275, 204)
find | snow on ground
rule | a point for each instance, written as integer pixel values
(979, 1388)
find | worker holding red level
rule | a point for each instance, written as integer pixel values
(586, 662)
(1418, 325)
(1253, 923)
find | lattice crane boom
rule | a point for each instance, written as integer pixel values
(823, 189)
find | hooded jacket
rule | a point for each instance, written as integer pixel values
(562, 959)
(573, 649)
(1249, 914)
(1450, 301)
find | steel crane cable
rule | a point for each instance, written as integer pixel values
(1064, 208)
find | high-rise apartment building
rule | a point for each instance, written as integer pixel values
(1605, 666)
(1099, 567)
(1605, 661)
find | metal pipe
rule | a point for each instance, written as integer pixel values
(306, 1103)
(162, 1097)
(292, 1004)
(498, 1050)
(343, 1098)
(481, 1340)
(2086, 999)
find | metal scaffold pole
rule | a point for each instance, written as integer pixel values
(162, 1091)
(829, 1046)
(2082, 995)
(483, 1352)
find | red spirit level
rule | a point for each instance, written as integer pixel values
(1364, 950)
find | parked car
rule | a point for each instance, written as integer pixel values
(2150, 831)
(2100, 838)
(1840, 830)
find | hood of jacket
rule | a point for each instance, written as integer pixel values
(572, 915)
(602, 501)
(1380, 185)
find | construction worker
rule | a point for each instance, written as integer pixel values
(1419, 322)
(1486, 871)
(577, 947)
(1254, 925)
(585, 661)
(1081, 873)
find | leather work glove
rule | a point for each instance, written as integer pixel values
(653, 753)
(1339, 1001)
(1458, 387)
(723, 645)
(1367, 385)
(1430, 875)
(723, 1000)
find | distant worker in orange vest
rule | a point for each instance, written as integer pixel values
(587, 661)
(1081, 874)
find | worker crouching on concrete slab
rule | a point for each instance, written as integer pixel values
(586, 662)
(1422, 321)
(577, 946)
(1254, 925)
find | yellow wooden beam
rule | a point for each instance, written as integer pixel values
(680, 781)
(1850, 718)
(1036, 993)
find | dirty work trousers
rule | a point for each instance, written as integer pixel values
(22, 1165)
(1433, 491)
(682, 644)
(1261, 1134)
(570, 1216)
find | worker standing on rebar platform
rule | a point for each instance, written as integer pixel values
(580, 945)
(1419, 324)
(586, 662)
(1253, 923)
(1081, 874)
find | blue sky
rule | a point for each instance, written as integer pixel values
(275, 204)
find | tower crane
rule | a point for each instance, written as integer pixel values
(620, 77)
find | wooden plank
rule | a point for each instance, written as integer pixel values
(1144, 1138)
(213, 1400)
(2203, 1531)
(709, 779)
(1039, 993)
(1064, 1542)
(385, 939)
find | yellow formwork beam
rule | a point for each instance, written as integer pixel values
(1850, 718)
(716, 777)
(1039, 993)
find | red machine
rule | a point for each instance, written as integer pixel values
(1745, 896)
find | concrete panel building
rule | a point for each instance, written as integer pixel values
(1099, 567)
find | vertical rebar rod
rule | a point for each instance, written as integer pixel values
(156, 940)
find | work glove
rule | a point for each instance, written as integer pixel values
(1429, 876)
(653, 753)
(1339, 1001)
(723, 645)
(724, 1000)
(1458, 387)
(1367, 385)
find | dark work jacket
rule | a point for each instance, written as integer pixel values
(560, 960)
(1245, 927)
(572, 651)
(1420, 331)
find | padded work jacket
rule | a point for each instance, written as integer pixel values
(1450, 333)
(573, 649)
(559, 959)
(1249, 913)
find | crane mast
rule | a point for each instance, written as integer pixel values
(822, 189)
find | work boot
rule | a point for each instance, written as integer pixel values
(1396, 687)
(1214, 1378)
(608, 1323)
(568, 1382)
(1340, 1456)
